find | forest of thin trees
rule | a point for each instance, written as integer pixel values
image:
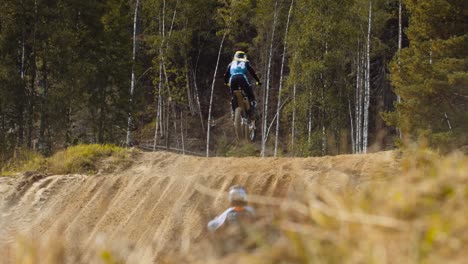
(348, 76)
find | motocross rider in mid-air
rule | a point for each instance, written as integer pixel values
(236, 77)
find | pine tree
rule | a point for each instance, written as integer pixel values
(432, 75)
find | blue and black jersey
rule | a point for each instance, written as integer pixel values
(239, 67)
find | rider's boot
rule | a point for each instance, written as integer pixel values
(252, 124)
(252, 110)
(252, 119)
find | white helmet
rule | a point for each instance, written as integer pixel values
(237, 193)
(240, 56)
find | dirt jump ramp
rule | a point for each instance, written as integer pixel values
(159, 204)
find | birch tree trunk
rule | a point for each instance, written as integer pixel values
(281, 80)
(170, 109)
(32, 92)
(367, 88)
(43, 145)
(357, 100)
(189, 92)
(400, 36)
(267, 91)
(430, 51)
(22, 56)
(158, 111)
(168, 125)
(324, 129)
(353, 146)
(309, 117)
(21, 106)
(211, 96)
(293, 123)
(448, 121)
(197, 97)
(132, 83)
(361, 97)
(164, 109)
(182, 131)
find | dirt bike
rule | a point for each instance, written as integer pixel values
(245, 128)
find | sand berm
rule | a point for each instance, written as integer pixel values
(156, 207)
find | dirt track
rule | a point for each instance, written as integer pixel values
(154, 207)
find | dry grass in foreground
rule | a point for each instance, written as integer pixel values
(417, 216)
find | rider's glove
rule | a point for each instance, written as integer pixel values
(227, 84)
(253, 104)
(258, 83)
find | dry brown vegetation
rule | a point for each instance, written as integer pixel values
(386, 207)
(417, 215)
(77, 159)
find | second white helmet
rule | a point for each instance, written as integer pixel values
(237, 193)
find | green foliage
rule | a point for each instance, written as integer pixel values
(65, 68)
(77, 159)
(23, 160)
(226, 147)
(63, 72)
(432, 75)
(85, 158)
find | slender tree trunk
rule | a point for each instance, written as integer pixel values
(164, 111)
(22, 55)
(309, 118)
(448, 121)
(158, 122)
(68, 134)
(31, 102)
(324, 130)
(430, 51)
(367, 88)
(43, 146)
(212, 91)
(361, 98)
(182, 131)
(172, 24)
(162, 119)
(357, 101)
(267, 91)
(263, 91)
(189, 92)
(278, 117)
(198, 100)
(323, 110)
(162, 30)
(353, 146)
(20, 103)
(174, 122)
(400, 36)
(170, 108)
(273, 121)
(32, 93)
(293, 123)
(309, 127)
(132, 83)
(168, 125)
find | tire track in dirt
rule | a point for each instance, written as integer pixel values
(153, 208)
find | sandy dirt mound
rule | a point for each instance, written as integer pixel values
(155, 207)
